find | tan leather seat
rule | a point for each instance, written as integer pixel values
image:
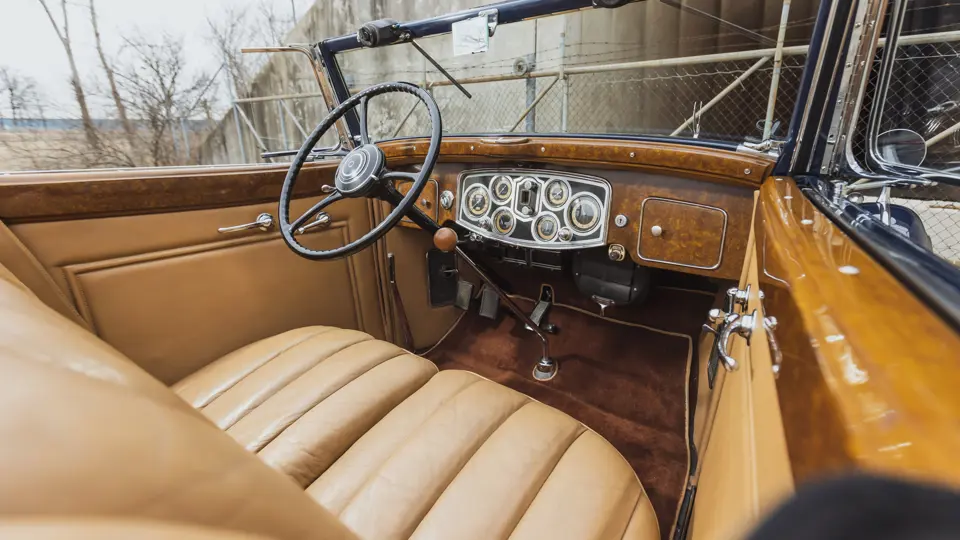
(387, 446)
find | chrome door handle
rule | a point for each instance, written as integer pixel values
(742, 325)
(770, 324)
(264, 222)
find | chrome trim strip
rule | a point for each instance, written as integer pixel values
(723, 233)
(518, 175)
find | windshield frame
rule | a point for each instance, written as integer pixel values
(510, 11)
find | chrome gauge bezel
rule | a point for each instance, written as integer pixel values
(496, 214)
(466, 202)
(524, 232)
(545, 193)
(568, 221)
(535, 230)
(501, 179)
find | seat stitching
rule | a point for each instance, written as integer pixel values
(636, 506)
(403, 443)
(523, 403)
(317, 404)
(308, 368)
(216, 395)
(545, 478)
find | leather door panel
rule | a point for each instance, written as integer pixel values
(746, 469)
(173, 294)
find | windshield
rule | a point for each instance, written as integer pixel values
(647, 68)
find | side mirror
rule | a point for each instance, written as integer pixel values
(902, 147)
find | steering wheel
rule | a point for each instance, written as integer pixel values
(361, 173)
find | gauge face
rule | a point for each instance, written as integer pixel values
(503, 221)
(502, 188)
(545, 227)
(557, 193)
(477, 201)
(584, 213)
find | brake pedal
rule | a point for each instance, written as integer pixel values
(541, 309)
(464, 295)
(489, 303)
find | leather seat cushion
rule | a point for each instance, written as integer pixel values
(397, 450)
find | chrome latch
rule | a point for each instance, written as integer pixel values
(264, 222)
(741, 325)
(738, 297)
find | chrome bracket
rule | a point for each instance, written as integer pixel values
(493, 17)
(738, 297)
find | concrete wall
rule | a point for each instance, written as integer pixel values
(623, 102)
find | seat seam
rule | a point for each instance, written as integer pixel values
(317, 404)
(315, 364)
(636, 505)
(401, 444)
(547, 477)
(347, 449)
(214, 397)
(522, 404)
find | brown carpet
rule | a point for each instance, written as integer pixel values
(626, 382)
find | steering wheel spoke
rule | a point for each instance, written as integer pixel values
(362, 112)
(398, 175)
(315, 209)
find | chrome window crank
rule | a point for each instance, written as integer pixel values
(264, 222)
(743, 326)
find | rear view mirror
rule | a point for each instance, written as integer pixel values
(902, 147)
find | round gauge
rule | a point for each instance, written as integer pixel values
(503, 221)
(556, 193)
(477, 201)
(545, 227)
(583, 215)
(502, 188)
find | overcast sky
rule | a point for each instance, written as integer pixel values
(29, 45)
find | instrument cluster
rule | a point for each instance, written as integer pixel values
(535, 208)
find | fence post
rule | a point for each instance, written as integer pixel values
(283, 125)
(777, 66)
(564, 86)
(236, 122)
(531, 125)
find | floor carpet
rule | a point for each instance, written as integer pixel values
(626, 382)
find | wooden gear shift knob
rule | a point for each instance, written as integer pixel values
(445, 239)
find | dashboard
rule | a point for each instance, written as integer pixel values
(535, 208)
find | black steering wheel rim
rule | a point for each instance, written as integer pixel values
(381, 184)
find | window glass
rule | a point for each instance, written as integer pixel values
(642, 69)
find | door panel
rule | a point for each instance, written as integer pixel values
(746, 469)
(173, 294)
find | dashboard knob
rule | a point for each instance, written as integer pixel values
(485, 224)
(525, 210)
(565, 234)
(446, 199)
(527, 184)
(616, 252)
(656, 230)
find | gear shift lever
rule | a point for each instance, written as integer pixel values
(446, 239)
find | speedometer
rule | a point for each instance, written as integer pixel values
(477, 201)
(583, 215)
(556, 193)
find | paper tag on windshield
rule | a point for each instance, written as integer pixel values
(470, 36)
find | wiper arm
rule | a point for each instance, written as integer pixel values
(440, 69)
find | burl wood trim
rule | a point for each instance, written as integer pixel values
(869, 377)
(685, 160)
(428, 202)
(71, 195)
(691, 234)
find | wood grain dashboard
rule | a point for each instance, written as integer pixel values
(675, 223)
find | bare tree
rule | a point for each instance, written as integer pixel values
(160, 92)
(63, 33)
(111, 78)
(227, 35)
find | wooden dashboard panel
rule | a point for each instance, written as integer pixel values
(428, 203)
(682, 233)
(720, 226)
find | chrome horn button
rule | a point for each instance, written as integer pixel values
(359, 170)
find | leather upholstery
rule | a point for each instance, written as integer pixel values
(387, 446)
(397, 450)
